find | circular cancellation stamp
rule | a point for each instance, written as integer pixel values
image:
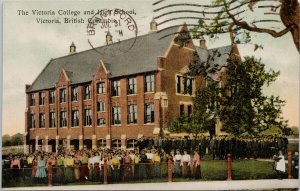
(115, 25)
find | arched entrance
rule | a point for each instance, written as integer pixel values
(31, 145)
(74, 144)
(87, 144)
(52, 145)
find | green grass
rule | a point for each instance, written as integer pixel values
(210, 170)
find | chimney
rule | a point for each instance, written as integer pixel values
(203, 43)
(153, 25)
(108, 38)
(72, 48)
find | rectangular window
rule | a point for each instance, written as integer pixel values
(178, 84)
(149, 113)
(132, 85)
(42, 120)
(32, 121)
(51, 97)
(88, 117)
(87, 92)
(188, 86)
(116, 115)
(101, 106)
(62, 95)
(149, 83)
(42, 98)
(31, 100)
(74, 91)
(101, 88)
(63, 119)
(52, 119)
(190, 110)
(75, 118)
(115, 88)
(101, 121)
(181, 109)
(132, 114)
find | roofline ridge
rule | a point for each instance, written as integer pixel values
(40, 74)
(68, 55)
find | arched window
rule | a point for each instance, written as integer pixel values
(101, 143)
(131, 143)
(116, 143)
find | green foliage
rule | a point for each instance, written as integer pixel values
(16, 139)
(246, 108)
(203, 117)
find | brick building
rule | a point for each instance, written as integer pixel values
(110, 98)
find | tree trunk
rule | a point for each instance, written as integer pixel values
(290, 15)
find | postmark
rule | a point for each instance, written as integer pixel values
(115, 25)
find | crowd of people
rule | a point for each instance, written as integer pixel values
(148, 160)
(122, 165)
(220, 146)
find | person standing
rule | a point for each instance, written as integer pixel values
(280, 165)
(196, 165)
(84, 167)
(15, 165)
(115, 166)
(296, 165)
(59, 169)
(91, 166)
(156, 162)
(177, 162)
(69, 164)
(127, 170)
(41, 171)
(185, 163)
(97, 166)
(49, 166)
(142, 165)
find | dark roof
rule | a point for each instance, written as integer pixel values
(132, 56)
(219, 55)
(218, 58)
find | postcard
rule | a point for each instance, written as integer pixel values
(150, 95)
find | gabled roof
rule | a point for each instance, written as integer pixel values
(216, 58)
(118, 58)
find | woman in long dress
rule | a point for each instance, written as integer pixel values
(196, 165)
(41, 169)
(185, 163)
(77, 168)
(164, 163)
(69, 165)
(157, 167)
(59, 175)
(142, 165)
(91, 167)
(34, 166)
(127, 170)
(177, 162)
(280, 165)
(84, 167)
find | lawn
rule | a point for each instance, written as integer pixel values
(211, 170)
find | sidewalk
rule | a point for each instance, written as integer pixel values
(201, 185)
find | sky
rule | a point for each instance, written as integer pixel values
(29, 45)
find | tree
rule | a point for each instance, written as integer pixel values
(202, 119)
(232, 12)
(6, 140)
(17, 139)
(243, 106)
